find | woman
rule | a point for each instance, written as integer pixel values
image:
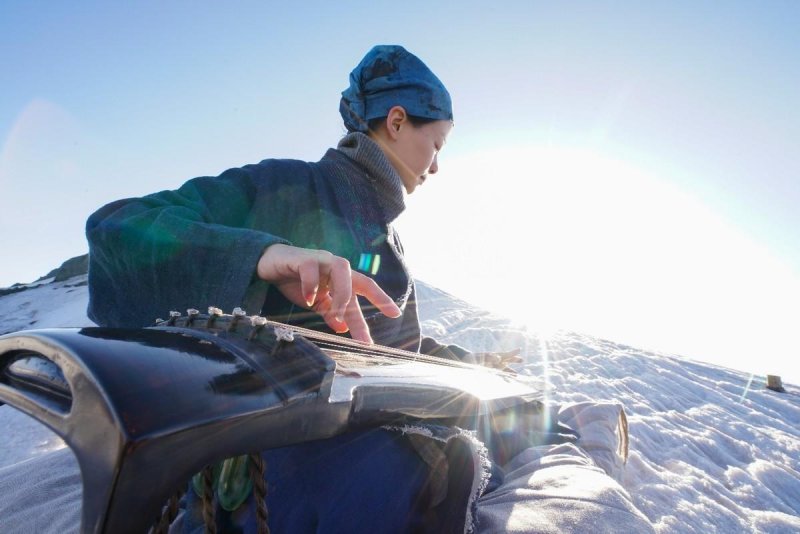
(312, 244)
(286, 238)
(309, 244)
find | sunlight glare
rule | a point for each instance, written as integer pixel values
(571, 238)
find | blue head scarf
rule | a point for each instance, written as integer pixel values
(389, 76)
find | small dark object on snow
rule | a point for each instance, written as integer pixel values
(774, 383)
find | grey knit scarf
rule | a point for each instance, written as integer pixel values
(387, 183)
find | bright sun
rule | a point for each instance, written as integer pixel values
(572, 238)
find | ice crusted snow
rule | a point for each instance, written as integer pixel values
(45, 305)
(707, 452)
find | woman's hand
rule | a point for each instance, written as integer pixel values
(318, 280)
(496, 360)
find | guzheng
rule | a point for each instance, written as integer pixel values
(145, 409)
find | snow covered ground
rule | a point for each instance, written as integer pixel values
(711, 449)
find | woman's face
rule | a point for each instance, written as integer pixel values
(415, 150)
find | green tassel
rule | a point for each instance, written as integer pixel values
(197, 480)
(234, 483)
(231, 482)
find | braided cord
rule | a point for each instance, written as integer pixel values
(257, 468)
(209, 513)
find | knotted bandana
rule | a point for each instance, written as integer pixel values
(389, 76)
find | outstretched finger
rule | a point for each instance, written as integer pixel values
(366, 287)
(354, 318)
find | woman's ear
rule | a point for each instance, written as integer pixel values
(396, 119)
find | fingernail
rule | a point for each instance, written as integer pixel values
(339, 314)
(310, 298)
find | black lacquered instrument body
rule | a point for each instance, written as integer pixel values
(145, 409)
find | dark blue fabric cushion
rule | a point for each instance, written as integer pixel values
(368, 482)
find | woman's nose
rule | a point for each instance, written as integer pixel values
(434, 165)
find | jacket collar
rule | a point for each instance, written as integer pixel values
(387, 183)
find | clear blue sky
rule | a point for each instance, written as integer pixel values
(627, 169)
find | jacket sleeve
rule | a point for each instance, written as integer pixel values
(176, 249)
(450, 352)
